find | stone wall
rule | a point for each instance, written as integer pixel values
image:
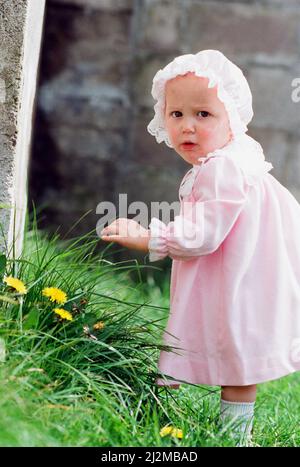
(11, 33)
(21, 23)
(99, 58)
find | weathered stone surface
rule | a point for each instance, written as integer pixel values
(84, 143)
(144, 69)
(110, 5)
(20, 36)
(293, 167)
(275, 144)
(286, 4)
(77, 188)
(95, 97)
(12, 16)
(99, 106)
(83, 106)
(243, 30)
(94, 44)
(158, 185)
(160, 25)
(282, 149)
(272, 98)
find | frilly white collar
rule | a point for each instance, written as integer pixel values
(246, 152)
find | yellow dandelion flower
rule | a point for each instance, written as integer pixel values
(16, 284)
(55, 295)
(98, 326)
(177, 433)
(166, 430)
(64, 314)
(170, 430)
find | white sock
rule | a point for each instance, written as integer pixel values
(238, 415)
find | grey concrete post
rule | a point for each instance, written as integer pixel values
(21, 24)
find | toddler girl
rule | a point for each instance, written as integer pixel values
(235, 283)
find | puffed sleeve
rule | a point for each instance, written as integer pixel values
(220, 191)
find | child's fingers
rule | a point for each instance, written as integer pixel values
(108, 231)
(110, 238)
(107, 235)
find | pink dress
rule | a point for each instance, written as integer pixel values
(235, 281)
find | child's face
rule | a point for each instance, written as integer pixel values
(194, 115)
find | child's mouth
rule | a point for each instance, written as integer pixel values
(188, 145)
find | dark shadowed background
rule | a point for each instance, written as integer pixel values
(94, 103)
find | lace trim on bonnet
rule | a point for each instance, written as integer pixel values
(232, 89)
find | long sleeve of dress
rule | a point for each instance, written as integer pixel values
(220, 192)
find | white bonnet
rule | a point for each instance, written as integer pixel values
(233, 89)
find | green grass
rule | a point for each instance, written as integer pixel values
(62, 386)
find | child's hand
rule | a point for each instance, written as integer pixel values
(128, 233)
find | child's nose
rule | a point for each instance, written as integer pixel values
(188, 125)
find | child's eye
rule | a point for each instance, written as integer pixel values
(176, 113)
(203, 113)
